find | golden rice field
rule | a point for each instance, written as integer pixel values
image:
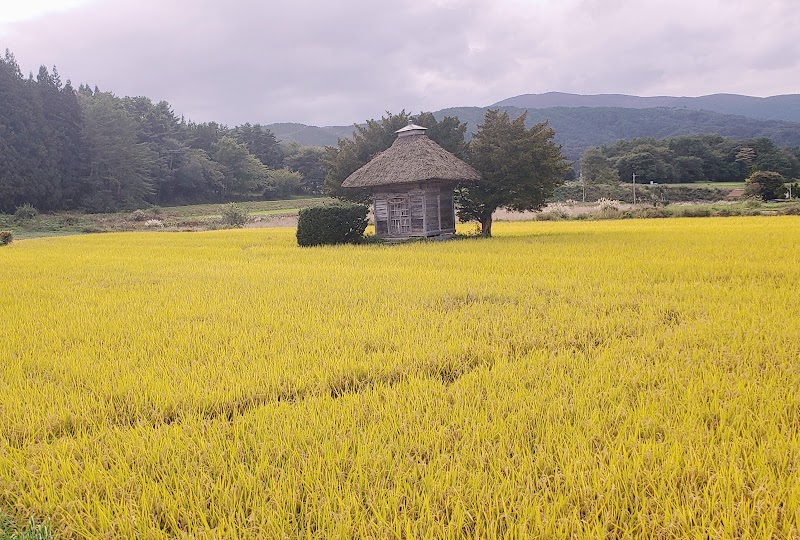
(617, 379)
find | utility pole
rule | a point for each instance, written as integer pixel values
(583, 186)
(634, 189)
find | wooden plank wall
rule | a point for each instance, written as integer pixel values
(447, 210)
(431, 208)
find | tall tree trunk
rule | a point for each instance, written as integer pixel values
(486, 224)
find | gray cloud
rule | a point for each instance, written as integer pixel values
(342, 62)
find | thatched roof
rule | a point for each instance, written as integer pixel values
(412, 158)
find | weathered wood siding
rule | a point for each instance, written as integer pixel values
(419, 210)
(381, 212)
(432, 211)
(447, 210)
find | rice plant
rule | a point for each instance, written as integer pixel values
(609, 379)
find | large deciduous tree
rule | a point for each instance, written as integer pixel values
(596, 168)
(519, 167)
(308, 161)
(244, 175)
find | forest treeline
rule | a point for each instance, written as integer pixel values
(66, 148)
(63, 148)
(688, 159)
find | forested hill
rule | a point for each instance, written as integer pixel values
(578, 128)
(309, 135)
(785, 107)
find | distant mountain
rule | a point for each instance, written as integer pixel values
(578, 128)
(310, 135)
(785, 107)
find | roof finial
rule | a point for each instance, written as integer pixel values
(411, 129)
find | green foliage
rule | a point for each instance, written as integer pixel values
(31, 531)
(40, 124)
(282, 183)
(765, 185)
(519, 168)
(693, 158)
(651, 212)
(376, 136)
(68, 149)
(580, 128)
(609, 212)
(25, 212)
(332, 224)
(696, 211)
(597, 169)
(308, 161)
(118, 165)
(794, 190)
(64, 149)
(261, 142)
(6, 237)
(243, 174)
(234, 215)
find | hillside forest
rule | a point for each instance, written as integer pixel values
(63, 148)
(688, 159)
(67, 148)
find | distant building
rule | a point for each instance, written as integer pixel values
(412, 185)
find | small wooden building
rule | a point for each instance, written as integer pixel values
(412, 185)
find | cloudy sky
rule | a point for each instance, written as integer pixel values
(327, 62)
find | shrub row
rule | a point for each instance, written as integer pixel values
(612, 212)
(331, 224)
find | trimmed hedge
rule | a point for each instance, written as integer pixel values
(331, 224)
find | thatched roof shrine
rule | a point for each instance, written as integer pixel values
(412, 186)
(413, 157)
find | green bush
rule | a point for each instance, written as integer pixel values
(696, 211)
(552, 215)
(608, 212)
(651, 212)
(6, 237)
(332, 224)
(234, 215)
(728, 212)
(25, 212)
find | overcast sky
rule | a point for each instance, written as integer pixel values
(328, 62)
